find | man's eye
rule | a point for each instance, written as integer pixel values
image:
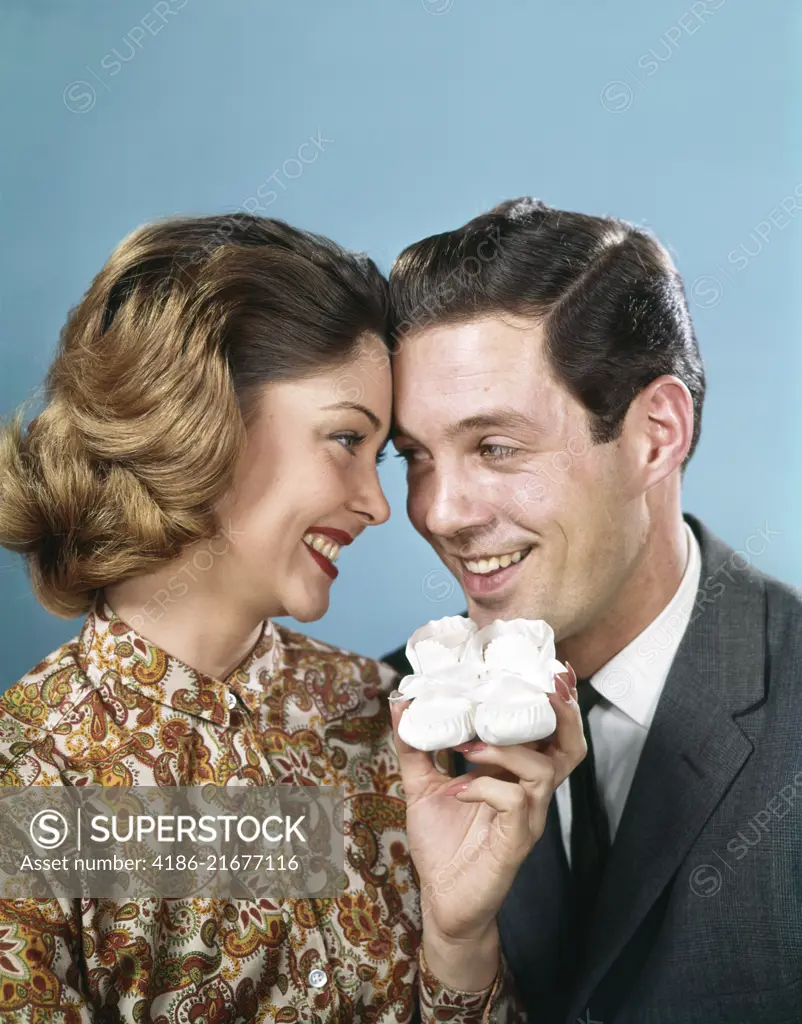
(497, 451)
(407, 454)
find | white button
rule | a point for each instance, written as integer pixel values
(317, 978)
(231, 700)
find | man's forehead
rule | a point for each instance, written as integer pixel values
(486, 363)
(461, 404)
(474, 345)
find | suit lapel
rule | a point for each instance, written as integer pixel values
(693, 752)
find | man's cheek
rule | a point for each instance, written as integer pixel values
(526, 500)
(523, 496)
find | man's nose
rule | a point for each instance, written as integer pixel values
(454, 505)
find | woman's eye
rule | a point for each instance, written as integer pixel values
(497, 451)
(349, 441)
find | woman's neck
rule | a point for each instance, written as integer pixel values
(197, 623)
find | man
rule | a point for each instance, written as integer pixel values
(549, 394)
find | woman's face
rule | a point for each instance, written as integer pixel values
(307, 484)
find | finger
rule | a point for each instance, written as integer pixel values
(565, 685)
(519, 760)
(521, 814)
(569, 678)
(495, 771)
(568, 746)
(418, 772)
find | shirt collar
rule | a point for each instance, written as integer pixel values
(633, 680)
(108, 646)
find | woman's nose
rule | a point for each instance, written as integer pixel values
(370, 501)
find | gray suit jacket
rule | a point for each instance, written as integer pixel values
(699, 918)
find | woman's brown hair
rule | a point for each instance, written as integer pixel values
(156, 375)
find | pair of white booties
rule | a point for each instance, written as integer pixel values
(492, 683)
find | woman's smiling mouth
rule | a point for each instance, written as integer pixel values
(323, 544)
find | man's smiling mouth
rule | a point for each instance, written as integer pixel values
(485, 564)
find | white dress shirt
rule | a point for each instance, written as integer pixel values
(632, 682)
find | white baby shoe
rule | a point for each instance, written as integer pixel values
(492, 683)
(441, 714)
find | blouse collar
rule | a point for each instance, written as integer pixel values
(110, 650)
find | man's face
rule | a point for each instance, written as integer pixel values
(534, 519)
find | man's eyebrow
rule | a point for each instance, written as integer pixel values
(502, 417)
(374, 419)
(492, 419)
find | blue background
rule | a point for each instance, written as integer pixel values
(430, 112)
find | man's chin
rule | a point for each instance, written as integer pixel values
(484, 612)
(510, 605)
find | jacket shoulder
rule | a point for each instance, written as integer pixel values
(784, 618)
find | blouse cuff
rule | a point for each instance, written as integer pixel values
(496, 1004)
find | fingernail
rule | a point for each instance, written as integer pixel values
(396, 695)
(471, 747)
(563, 689)
(458, 787)
(571, 680)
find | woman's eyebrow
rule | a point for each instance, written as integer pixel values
(374, 419)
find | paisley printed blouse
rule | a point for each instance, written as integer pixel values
(109, 708)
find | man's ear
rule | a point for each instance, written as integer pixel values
(660, 424)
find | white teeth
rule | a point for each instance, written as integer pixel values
(486, 565)
(328, 548)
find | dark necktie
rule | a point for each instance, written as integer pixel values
(590, 830)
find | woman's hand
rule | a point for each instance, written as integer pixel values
(468, 836)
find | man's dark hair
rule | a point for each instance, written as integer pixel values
(611, 302)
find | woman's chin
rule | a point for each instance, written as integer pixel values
(306, 610)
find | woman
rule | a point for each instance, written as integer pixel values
(214, 416)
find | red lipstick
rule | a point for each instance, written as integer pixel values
(339, 536)
(328, 567)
